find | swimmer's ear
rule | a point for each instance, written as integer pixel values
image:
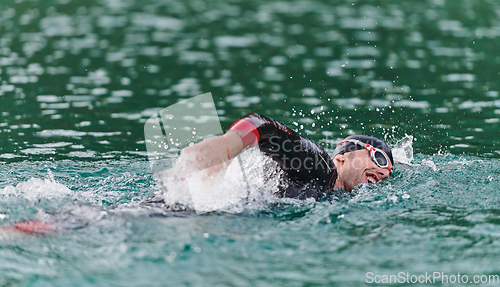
(340, 158)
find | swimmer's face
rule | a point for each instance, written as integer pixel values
(357, 167)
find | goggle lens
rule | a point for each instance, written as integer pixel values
(380, 159)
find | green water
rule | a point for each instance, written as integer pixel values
(78, 80)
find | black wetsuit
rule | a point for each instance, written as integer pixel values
(308, 170)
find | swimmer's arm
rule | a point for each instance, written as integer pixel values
(214, 152)
(272, 138)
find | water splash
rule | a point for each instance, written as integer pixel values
(236, 188)
(402, 151)
(36, 189)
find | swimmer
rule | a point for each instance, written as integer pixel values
(308, 170)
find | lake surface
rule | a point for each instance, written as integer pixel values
(79, 79)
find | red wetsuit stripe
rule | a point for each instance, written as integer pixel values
(330, 182)
(247, 131)
(34, 227)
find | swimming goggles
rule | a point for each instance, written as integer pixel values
(378, 156)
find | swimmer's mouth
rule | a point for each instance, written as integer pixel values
(372, 177)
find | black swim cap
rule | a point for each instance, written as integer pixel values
(348, 147)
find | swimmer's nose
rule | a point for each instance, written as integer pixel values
(383, 173)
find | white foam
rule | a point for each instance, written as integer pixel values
(493, 120)
(430, 164)
(35, 189)
(412, 104)
(458, 78)
(39, 151)
(122, 93)
(9, 155)
(51, 145)
(220, 192)
(82, 154)
(229, 190)
(132, 116)
(60, 132)
(233, 41)
(48, 98)
(402, 152)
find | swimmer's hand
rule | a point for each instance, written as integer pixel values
(211, 155)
